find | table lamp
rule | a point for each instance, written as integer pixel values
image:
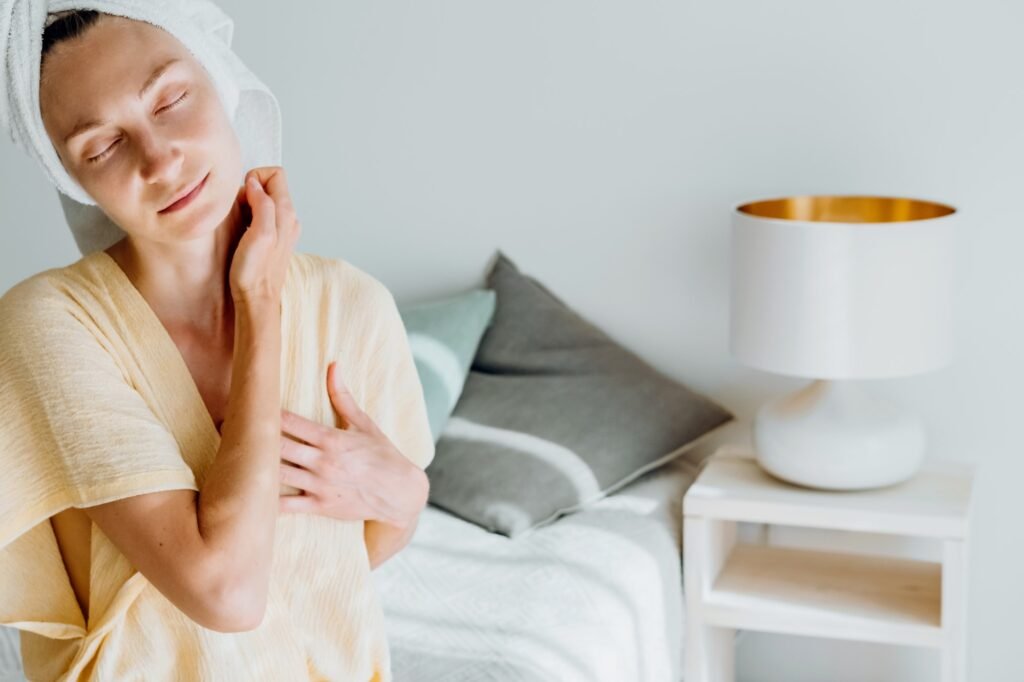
(839, 289)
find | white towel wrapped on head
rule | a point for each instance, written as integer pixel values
(201, 26)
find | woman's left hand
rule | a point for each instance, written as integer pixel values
(352, 473)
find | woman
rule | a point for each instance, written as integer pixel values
(149, 444)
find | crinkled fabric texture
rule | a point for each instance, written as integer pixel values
(99, 405)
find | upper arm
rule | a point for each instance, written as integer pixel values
(79, 433)
(159, 534)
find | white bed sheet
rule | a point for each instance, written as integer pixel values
(595, 596)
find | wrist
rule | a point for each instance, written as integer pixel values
(255, 301)
(420, 484)
(407, 501)
(257, 314)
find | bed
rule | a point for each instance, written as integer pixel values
(595, 596)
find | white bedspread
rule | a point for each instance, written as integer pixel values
(593, 597)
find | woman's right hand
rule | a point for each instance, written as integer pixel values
(260, 260)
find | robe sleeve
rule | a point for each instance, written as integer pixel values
(74, 432)
(394, 394)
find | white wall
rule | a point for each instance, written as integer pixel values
(602, 144)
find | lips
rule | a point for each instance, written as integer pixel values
(185, 199)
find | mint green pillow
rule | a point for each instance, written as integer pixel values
(444, 335)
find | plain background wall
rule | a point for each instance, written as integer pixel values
(602, 145)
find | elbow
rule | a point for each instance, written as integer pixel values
(236, 605)
(237, 611)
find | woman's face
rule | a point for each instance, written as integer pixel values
(148, 150)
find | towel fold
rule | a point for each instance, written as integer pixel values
(201, 26)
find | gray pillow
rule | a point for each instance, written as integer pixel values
(555, 415)
(443, 336)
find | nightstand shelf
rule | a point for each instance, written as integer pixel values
(820, 592)
(827, 594)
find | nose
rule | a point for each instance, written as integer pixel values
(161, 159)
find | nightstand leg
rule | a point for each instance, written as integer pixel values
(954, 611)
(710, 651)
(710, 654)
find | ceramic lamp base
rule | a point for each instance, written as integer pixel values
(835, 435)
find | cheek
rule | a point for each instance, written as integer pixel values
(223, 151)
(226, 139)
(200, 129)
(218, 146)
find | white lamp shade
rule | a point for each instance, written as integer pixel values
(842, 287)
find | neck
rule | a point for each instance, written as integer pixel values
(186, 284)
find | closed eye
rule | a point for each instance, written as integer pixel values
(104, 154)
(175, 102)
(110, 150)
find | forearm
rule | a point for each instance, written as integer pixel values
(383, 540)
(238, 502)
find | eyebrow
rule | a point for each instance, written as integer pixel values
(83, 126)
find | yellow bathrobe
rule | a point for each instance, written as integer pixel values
(97, 404)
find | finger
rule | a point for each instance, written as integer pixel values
(263, 173)
(342, 399)
(333, 375)
(292, 504)
(275, 185)
(305, 456)
(312, 432)
(263, 213)
(298, 478)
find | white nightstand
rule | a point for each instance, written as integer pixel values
(732, 585)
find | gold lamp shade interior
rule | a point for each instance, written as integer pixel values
(846, 209)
